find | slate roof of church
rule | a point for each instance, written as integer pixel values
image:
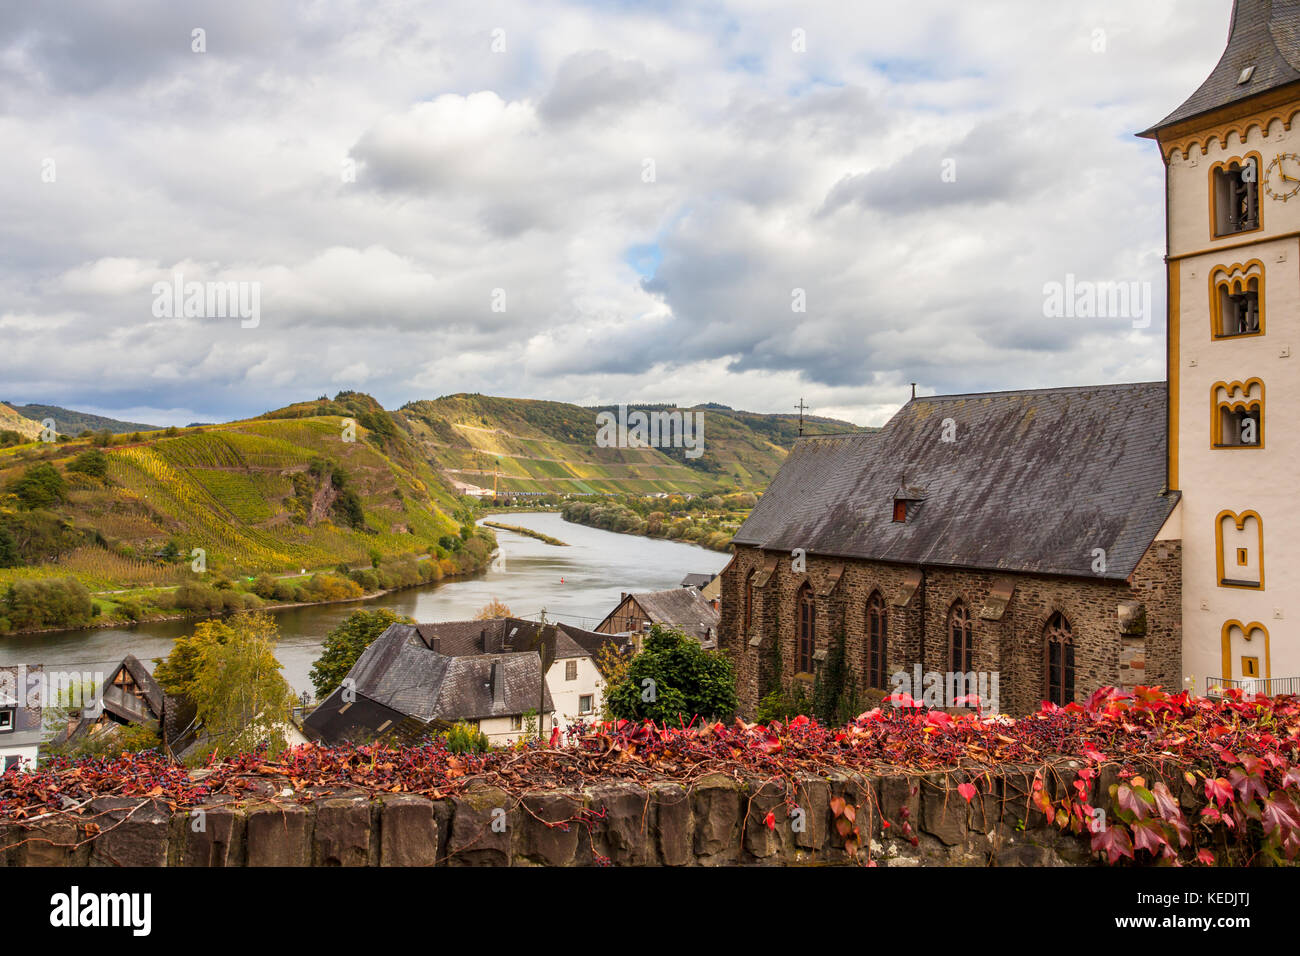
(1264, 34)
(1034, 482)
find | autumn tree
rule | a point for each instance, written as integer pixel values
(492, 610)
(345, 643)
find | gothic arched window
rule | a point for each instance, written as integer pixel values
(877, 628)
(961, 640)
(803, 660)
(1058, 652)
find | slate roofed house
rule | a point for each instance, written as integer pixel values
(20, 717)
(415, 679)
(697, 581)
(131, 695)
(682, 607)
(1023, 536)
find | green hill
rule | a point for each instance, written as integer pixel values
(269, 494)
(69, 422)
(13, 421)
(547, 446)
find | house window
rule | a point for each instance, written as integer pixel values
(961, 641)
(1059, 655)
(1237, 419)
(1237, 299)
(803, 662)
(900, 509)
(7, 719)
(1250, 667)
(585, 704)
(877, 627)
(570, 670)
(516, 721)
(1235, 195)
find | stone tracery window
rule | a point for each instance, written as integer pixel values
(961, 641)
(877, 629)
(803, 662)
(1058, 652)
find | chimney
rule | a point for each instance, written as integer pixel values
(713, 603)
(435, 645)
(622, 596)
(482, 641)
(498, 687)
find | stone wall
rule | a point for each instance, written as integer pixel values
(717, 820)
(1125, 632)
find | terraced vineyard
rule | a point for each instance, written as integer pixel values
(245, 493)
(550, 447)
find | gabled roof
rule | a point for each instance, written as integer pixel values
(1034, 482)
(684, 608)
(1264, 34)
(401, 672)
(461, 638)
(697, 580)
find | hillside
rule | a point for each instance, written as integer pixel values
(547, 446)
(259, 495)
(69, 422)
(12, 420)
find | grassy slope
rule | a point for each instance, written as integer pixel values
(10, 420)
(550, 446)
(228, 489)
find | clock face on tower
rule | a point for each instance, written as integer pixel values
(1282, 180)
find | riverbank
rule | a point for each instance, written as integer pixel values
(200, 598)
(525, 531)
(702, 531)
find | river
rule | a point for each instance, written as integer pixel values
(578, 584)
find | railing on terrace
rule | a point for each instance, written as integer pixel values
(1265, 686)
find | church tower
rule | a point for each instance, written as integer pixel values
(1232, 195)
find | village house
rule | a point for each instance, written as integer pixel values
(129, 695)
(684, 608)
(419, 678)
(1022, 534)
(20, 717)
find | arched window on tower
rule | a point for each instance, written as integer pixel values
(803, 660)
(877, 629)
(961, 640)
(1058, 652)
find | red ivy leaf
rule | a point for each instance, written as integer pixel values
(1114, 842)
(967, 791)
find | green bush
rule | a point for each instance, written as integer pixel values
(465, 738)
(48, 602)
(674, 678)
(40, 486)
(90, 462)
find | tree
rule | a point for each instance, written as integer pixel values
(672, 679)
(492, 610)
(345, 643)
(92, 461)
(9, 557)
(240, 698)
(40, 486)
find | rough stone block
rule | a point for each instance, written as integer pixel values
(943, 809)
(132, 832)
(549, 829)
(482, 823)
(715, 804)
(279, 835)
(208, 836)
(341, 836)
(408, 831)
(625, 835)
(675, 824)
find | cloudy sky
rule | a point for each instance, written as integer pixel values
(590, 202)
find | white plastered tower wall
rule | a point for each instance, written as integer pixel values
(1245, 571)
